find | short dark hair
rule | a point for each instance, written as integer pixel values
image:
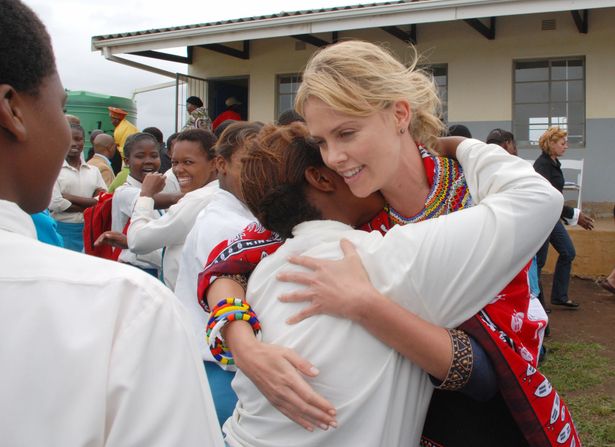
(134, 139)
(289, 116)
(157, 133)
(205, 138)
(79, 128)
(273, 177)
(499, 137)
(171, 139)
(26, 55)
(236, 135)
(459, 130)
(195, 101)
(222, 127)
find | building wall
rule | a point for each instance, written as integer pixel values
(480, 73)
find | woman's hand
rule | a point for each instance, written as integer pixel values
(112, 238)
(277, 373)
(153, 183)
(339, 288)
(585, 221)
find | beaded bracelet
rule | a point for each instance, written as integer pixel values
(461, 367)
(229, 309)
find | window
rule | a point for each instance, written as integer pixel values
(440, 74)
(287, 86)
(549, 92)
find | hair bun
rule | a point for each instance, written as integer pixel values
(280, 204)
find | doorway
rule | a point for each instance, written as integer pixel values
(221, 89)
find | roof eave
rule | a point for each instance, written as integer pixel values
(427, 11)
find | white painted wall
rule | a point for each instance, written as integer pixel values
(479, 70)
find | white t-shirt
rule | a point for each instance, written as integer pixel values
(146, 234)
(94, 352)
(79, 182)
(224, 218)
(444, 270)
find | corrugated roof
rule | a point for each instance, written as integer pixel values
(249, 19)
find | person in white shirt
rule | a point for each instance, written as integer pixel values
(224, 217)
(381, 397)
(193, 165)
(94, 353)
(75, 189)
(142, 156)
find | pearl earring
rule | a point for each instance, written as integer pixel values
(402, 130)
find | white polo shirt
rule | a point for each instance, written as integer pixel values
(79, 182)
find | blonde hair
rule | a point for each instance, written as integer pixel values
(360, 78)
(551, 135)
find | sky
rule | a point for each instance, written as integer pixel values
(72, 23)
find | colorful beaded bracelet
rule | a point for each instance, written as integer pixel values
(229, 309)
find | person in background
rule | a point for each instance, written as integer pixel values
(104, 149)
(289, 116)
(222, 127)
(74, 191)
(224, 217)
(198, 117)
(503, 138)
(106, 341)
(72, 119)
(123, 127)
(165, 160)
(232, 112)
(553, 144)
(459, 130)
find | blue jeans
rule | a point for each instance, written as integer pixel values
(560, 239)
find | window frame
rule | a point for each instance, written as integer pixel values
(278, 94)
(550, 103)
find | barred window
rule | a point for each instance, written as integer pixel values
(549, 92)
(287, 86)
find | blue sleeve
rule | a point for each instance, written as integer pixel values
(46, 229)
(482, 384)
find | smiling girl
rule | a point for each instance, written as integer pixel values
(193, 165)
(142, 156)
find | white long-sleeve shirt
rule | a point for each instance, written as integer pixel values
(224, 218)
(79, 182)
(444, 270)
(124, 201)
(93, 353)
(146, 233)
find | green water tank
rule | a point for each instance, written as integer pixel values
(91, 109)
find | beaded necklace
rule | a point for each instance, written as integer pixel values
(448, 192)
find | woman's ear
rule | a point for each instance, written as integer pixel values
(220, 165)
(320, 178)
(11, 113)
(402, 111)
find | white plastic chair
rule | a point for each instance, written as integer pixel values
(574, 165)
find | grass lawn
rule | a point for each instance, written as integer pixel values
(585, 378)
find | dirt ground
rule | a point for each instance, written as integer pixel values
(593, 321)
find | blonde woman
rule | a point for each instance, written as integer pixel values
(554, 144)
(376, 123)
